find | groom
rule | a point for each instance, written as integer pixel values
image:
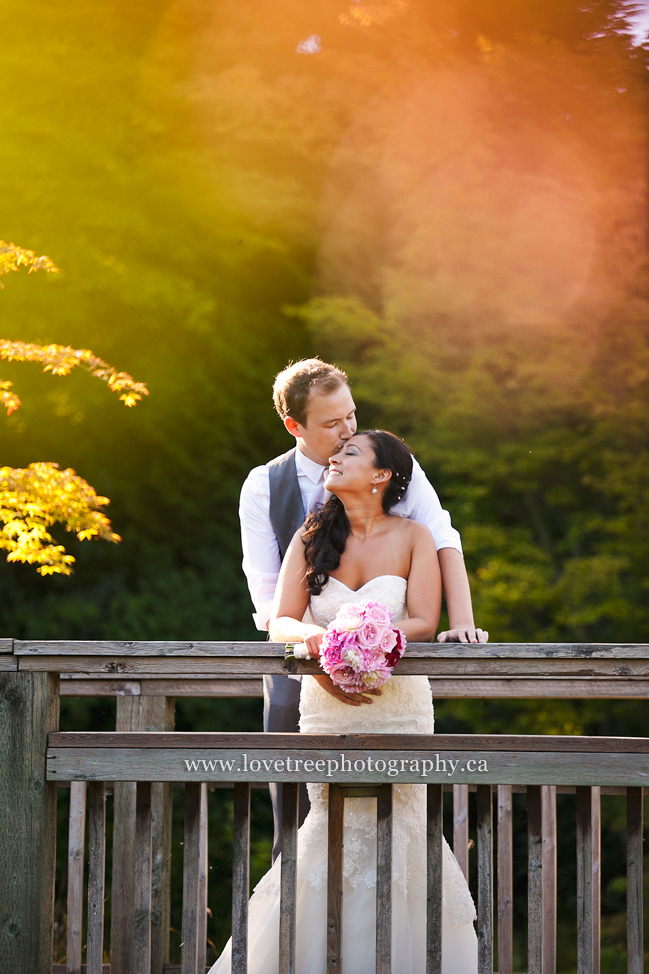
(315, 404)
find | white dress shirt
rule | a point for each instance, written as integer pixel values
(261, 559)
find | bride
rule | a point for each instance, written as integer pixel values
(350, 550)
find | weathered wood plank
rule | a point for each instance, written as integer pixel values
(203, 865)
(76, 848)
(435, 743)
(28, 711)
(191, 853)
(208, 687)
(9, 664)
(287, 897)
(532, 686)
(610, 688)
(485, 880)
(141, 667)
(6, 646)
(549, 877)
(434, 815)
(96, 875)
(335, 881)
(142, 900)
(505, 881)
(584, 882)
(384, 880)
(135, 714)
(122, 929)
(64, 647)
(63, 969)
(596, 846)
(98, 647)
(534, 883)
(240, 878)
(461, 827)
(634, 899)
(506, 767)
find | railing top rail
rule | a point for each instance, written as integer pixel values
(268, 650)
(198, 740)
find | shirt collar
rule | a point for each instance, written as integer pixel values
(314, 471)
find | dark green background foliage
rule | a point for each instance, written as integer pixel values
(450, 203)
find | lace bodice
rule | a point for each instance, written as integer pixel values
(405, 705)
(389, 589)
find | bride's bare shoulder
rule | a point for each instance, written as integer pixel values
(413, 530)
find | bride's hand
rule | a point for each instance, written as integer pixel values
(354, 699)
(463, 634)
(312, 640)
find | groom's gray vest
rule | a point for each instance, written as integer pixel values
(281, 695)
(287, 512)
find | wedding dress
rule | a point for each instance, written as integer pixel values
(405, 707)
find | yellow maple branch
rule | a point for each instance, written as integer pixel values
(34, 499)
(61, 359)
(12, 258)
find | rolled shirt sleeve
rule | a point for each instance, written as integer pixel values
(422, 504)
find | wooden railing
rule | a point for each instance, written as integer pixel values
(29, 680)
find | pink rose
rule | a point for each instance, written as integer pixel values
(387, 640)
(377, 613)
(344, 676)
(368, 635)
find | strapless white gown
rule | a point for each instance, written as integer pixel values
(405, 707)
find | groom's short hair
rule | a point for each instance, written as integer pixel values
(294, 385)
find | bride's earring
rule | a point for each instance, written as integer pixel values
(374, 490)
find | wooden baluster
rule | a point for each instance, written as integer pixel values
(290, 798)
(505, 881)
(549, 877)
(201, 955)
(335, 880)
(142, 901)
(191, 853)
(384, 880)
(141, 713)
(76, 849)
(596, 844)
(634, 931)
(161, 809)
(584, 881)
(240, 878)
(96, 875)
(434, 833)
(461, 827)
(485, 880)
(534, 881)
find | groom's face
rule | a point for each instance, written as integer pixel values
(330, 421)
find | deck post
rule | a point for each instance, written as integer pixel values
(29, 710)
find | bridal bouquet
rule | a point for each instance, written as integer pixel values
(361, 646)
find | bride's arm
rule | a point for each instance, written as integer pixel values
(292, 599)
(424, 589)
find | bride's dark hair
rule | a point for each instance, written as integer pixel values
(327, 529)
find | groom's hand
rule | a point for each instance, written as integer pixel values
(463, 634)
(353, 699)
